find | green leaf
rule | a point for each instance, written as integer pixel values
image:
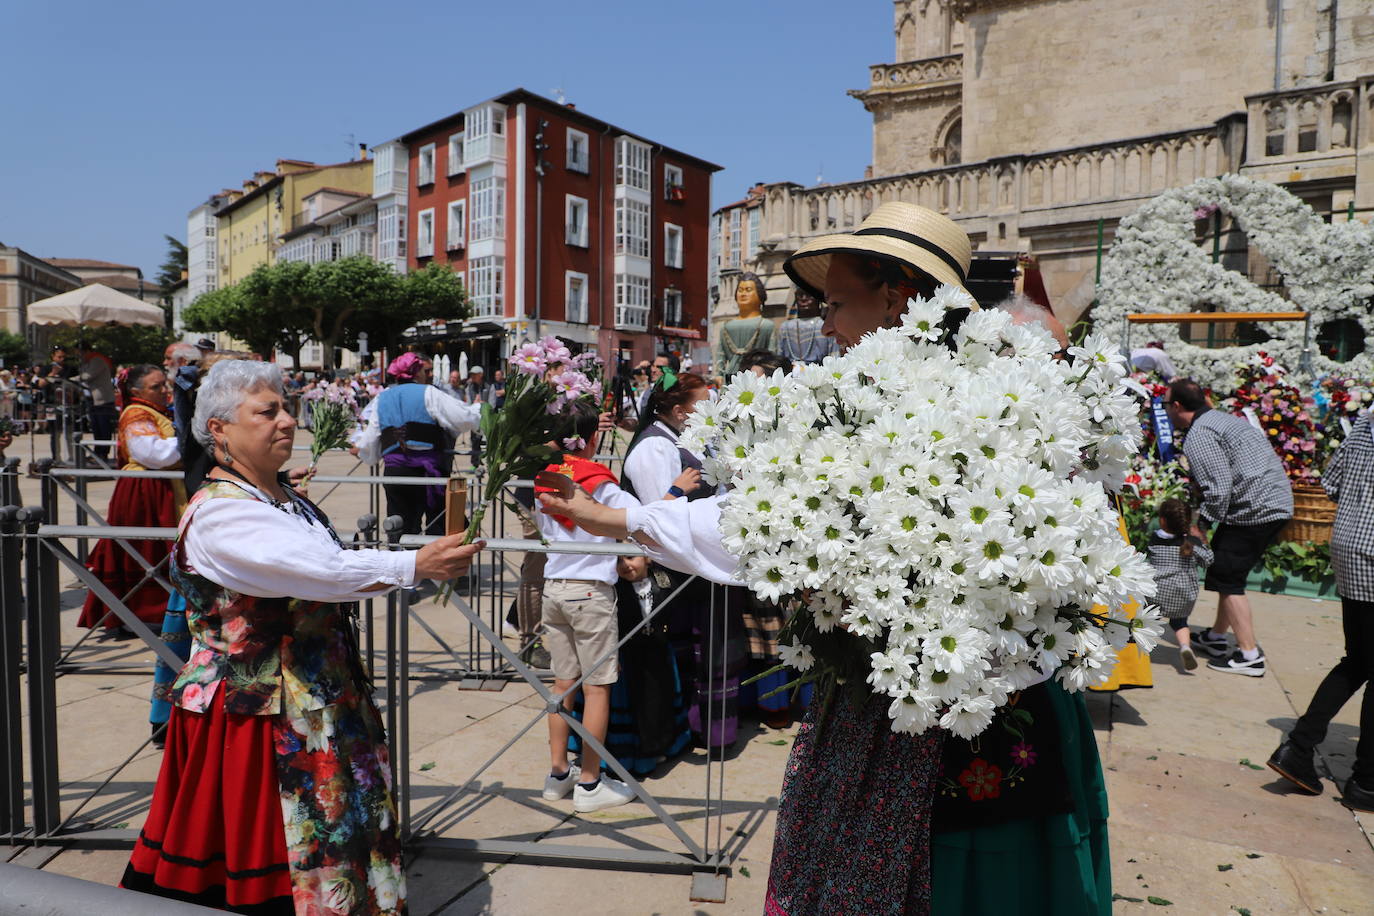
(779, 742)
(1152, 757)
(427, 766)
(744, 870)
(1242, 910)
(1245, 762)
(1160, 901)
(1116, 897)
(1253, 855)
(1226, 867)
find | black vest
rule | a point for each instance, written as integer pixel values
(687, 459)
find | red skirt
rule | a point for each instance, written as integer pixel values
(214, 835)
(142, 503)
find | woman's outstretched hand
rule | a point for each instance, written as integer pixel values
(571, 501)
(446, 558)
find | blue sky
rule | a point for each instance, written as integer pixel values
(119, 117)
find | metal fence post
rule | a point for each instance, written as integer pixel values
(11, 658)
(41, 610)
(47, 490)
(82, 490)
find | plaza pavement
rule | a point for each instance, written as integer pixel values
(1196, 818)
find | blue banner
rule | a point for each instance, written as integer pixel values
(1164, 430)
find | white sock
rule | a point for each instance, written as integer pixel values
(1250, 654)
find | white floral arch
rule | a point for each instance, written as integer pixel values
(1154, 265)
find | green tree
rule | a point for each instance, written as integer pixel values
(283, 305)
(14, 349)
(248, 319)
(125, 346)
(169, 274)
(432, 291)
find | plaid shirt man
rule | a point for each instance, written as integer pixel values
(1241, 479)
(1349, 479)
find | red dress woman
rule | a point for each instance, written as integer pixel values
(147, 440)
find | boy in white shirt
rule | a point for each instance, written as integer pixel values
(579, 616)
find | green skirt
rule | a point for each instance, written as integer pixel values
(1056, 866)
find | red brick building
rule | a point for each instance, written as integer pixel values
(559, 223)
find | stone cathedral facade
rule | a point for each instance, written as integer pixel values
(1038, 124)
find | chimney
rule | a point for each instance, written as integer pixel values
(570, 105)
(362, 152)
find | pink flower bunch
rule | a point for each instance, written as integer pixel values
(530, 359)
(571, 386)
(576, 443)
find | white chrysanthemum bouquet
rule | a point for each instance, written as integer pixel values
(937, 519)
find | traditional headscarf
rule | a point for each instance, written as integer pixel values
(404, 367)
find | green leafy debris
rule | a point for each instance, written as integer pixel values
(1242, 910)
(779, 741)
(426, 766)
(1159, 901)
(1116, 897)
(1253, 855)
(744, 870)
(1227, 867)
(1245, 762)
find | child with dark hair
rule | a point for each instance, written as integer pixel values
(1176, 551)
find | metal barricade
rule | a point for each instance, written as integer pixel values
(30, 640)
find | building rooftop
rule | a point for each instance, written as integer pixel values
(516, 96)
(277, 179)
(87, 262)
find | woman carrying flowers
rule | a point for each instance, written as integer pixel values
(274, 795)
(929, 560)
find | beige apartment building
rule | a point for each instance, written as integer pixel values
(1038, 124)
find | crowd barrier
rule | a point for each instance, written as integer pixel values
(35, 553)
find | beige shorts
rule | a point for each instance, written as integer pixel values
(580, 627)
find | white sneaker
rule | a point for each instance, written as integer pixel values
(554, 788)
(609, 793)
(1189, 658)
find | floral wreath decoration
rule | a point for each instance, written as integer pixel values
(1155, 265)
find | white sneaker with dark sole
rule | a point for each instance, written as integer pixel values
(609, 793)
(555, 788)
(1236, 663)
(1189, 659)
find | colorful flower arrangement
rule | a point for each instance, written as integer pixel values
(1156, 265)
(532, 426)
(939, 521)
(1288, 416)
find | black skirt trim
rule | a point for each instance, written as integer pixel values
(211, 897)
(204, 863)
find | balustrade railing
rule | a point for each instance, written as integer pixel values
(1127, 169)
(1330, 118)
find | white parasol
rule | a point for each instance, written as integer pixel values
(95, 306)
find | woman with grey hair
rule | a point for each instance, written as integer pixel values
(275, 790)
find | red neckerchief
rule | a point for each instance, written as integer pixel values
(586, 474)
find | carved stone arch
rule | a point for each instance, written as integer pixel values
(949, 137)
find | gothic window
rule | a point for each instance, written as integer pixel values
(1340, 123)
(953, 145)
(1273, 130)
(1307, 127)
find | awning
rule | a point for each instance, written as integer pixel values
(684, 333)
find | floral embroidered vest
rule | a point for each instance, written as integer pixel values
(267, 655)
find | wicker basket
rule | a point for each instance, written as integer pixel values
(1313, 514)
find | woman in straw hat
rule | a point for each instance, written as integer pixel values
(871, 821)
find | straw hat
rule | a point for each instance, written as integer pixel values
(911, 236)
